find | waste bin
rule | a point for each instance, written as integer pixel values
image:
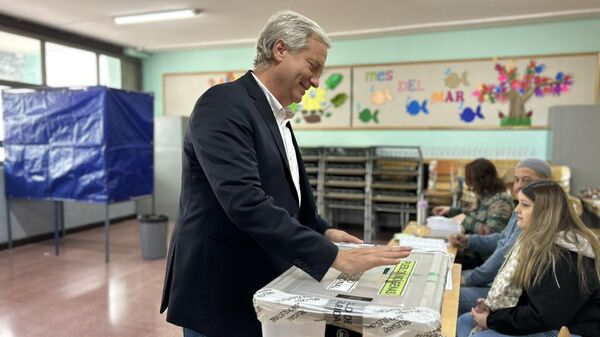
(153, 235)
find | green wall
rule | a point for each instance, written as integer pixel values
(536, 39)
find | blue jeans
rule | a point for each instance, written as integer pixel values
(466, 323)
(468, 298)
(191, 333)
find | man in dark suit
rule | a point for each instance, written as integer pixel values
(246, 210)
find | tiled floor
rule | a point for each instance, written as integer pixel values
(77, 295)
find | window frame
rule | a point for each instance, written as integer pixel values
(47, 34)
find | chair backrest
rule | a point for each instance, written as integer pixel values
(564, 332)
(443, 183)
(443, 175)
(562, 175)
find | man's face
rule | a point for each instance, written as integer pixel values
(523, 176)
(301, 69)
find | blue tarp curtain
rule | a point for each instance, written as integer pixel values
(92, 144)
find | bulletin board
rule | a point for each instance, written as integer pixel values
(329, 105)
(442, 94)
(423, 95)
(181, 91)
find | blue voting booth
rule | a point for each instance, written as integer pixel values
(92, 144)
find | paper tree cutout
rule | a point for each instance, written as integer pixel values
(517, 91)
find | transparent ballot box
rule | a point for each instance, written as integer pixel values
(402, 300)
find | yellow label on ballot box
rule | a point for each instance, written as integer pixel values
(398, 279)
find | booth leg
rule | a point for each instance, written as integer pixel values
(106, 236)
(56, 230)
(8, 224)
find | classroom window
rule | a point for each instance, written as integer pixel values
(68, 66)
(110, 71)
(20, 59)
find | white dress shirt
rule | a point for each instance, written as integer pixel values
(283, 115)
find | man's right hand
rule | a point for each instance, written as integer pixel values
(459, 241)
(440, 210)
(358, 260)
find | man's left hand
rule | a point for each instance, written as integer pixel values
(336, 235)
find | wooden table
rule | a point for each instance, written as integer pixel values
(450, 305)
(450, 302)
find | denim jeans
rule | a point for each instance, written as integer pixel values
(191, 333)
(466, 324)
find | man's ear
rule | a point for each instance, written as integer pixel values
(279, 49)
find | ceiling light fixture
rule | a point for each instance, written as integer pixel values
(156, 16)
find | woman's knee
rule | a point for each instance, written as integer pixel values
(464, 325)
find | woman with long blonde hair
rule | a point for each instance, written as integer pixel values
(551, 277)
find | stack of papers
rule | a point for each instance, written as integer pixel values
(424, 244)
(442, 227)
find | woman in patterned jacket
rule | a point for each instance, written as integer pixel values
(494, 205)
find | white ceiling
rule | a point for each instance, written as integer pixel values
(238, 22)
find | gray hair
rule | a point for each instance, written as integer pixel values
(293, 29)
(541, 167)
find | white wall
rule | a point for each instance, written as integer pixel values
(35, 217)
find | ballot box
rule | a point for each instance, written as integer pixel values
(402, 300)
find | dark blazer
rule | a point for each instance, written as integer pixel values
(239, 224)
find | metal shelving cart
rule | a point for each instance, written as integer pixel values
(345, 184)
(397, 183)
(366, 186)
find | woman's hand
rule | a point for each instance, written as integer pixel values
(440, 210)
(480, 313)
(480, 306)
(480, 319)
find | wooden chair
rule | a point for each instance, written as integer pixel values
(443, 184)
(564, 332)
(562, 175)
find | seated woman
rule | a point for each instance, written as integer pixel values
(494, 204)
(551, 277)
